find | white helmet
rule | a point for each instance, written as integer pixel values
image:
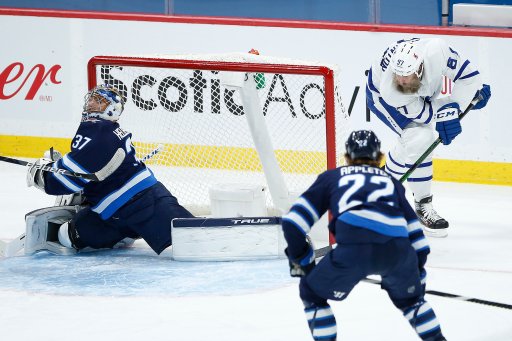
(407, 60)
(114, 99)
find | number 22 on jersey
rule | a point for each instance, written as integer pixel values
(355, 191)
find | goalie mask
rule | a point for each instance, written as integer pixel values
(103, 101)
(363, 144)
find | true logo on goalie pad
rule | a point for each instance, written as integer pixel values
(250, 221)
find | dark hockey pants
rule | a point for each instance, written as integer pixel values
(337, 273)
(395, 261)
(147, 215)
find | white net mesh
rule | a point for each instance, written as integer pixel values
(181, 102)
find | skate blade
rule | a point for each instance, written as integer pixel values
(436, 233)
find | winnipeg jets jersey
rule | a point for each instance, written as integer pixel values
(93, 147)
(367, 205)
(439, 60)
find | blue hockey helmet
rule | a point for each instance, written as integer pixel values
(363, 144)
(104, 101)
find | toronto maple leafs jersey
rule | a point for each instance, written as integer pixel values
(367, 205)
(439, 60)
(93, 147)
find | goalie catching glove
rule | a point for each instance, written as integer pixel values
(302, 265)
(35, 176)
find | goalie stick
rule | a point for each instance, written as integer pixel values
(11, 248)
(98, 176)
(87, 176)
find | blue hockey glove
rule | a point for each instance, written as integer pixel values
(303, 265)
(448, 123)
(485, 92)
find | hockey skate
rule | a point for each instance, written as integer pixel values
(434, 225)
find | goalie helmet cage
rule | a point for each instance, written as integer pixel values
(184, 103)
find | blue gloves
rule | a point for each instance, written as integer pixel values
(448, 123)
(485, 92)
(302, 265)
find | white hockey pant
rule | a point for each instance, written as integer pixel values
(413, 142)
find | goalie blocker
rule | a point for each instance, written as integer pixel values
(227, 239)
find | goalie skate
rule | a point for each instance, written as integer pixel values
(434, 224)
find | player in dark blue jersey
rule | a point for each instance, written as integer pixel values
(377, 233)
(129, 202)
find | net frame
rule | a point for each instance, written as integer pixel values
(240, 64)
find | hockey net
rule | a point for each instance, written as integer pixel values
(193, 106)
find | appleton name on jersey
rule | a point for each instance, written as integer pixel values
(93, 147)
(438, 60)
(367, 205)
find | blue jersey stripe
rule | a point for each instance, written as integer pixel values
(376, 226)
(298, 221)
(393, 160)
(65, 181)
(389, 170)
(428, 178)
(303, 202)
(461, 70)
(472, 74)
(430, 114)
(72, 165)
(426, 164)
(113, 201)
(370, 82)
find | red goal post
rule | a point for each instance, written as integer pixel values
(196, 105)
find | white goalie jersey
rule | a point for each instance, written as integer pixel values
(439, 60)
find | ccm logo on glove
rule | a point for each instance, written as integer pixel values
(447, 122)
(447, 114)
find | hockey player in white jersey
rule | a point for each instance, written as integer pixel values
(403, 89)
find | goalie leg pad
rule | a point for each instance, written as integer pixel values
(42, 229)
(227, 239)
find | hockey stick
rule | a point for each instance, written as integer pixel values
(88, 176)
(456, 297)
(437, 142)
(324, 250)
(11, 248)
(157, 150)
(319, 253)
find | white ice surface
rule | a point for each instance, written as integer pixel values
(133, 294)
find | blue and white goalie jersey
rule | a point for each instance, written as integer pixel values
(367, 205)
(93, 147)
